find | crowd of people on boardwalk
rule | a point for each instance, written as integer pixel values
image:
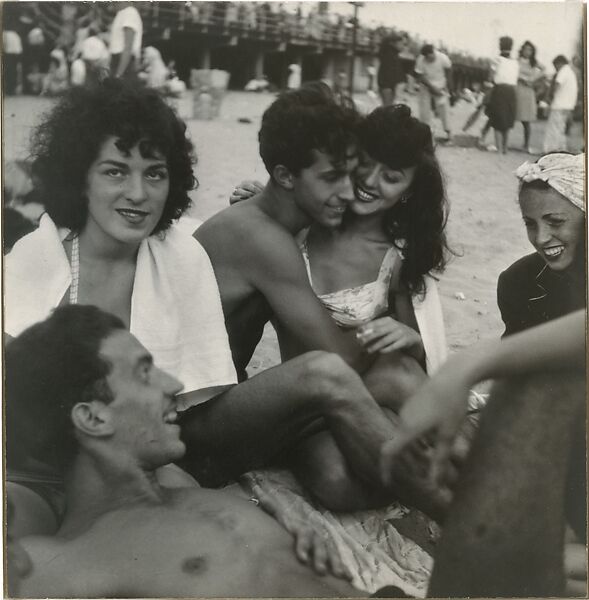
(97, 48)
(129, 339)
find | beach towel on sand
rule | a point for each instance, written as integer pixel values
(175, 307)
(369, 544)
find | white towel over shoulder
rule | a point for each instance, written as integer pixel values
(175, 308)
(430, 320)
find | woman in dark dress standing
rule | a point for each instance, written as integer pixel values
(390, 71)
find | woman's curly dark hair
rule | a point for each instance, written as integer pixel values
(391, 136)
(69, 139)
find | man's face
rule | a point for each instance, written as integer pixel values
(144, 403)
(323, 190)
(430, 57)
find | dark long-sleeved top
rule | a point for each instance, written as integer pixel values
(529, 293)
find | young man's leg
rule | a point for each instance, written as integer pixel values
(443, 109)
(322, 468)
(504, 534)
(260, 419)
(387, 96)
(392, 378)
(425, 105)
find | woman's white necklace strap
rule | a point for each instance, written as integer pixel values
(75, 269)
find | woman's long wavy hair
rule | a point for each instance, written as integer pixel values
(392, 136)
(532, 59)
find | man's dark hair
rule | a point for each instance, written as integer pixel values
(427, 49)
(68, 141)
(49, 368)
(303, 120)
(505, 43)
(560, 60)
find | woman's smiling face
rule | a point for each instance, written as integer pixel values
(555, 227)
(126, 192)
(377, 187)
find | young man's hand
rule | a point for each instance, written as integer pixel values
(313, 545)
(437, 410)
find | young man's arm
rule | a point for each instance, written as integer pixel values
(280, 275)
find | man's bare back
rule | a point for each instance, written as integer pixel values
(196, 543)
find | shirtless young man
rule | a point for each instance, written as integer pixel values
(108, 417)
(308, 146)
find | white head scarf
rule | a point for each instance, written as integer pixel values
(564, 173)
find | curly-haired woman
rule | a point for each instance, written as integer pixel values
(113, 167)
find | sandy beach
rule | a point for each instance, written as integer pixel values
(484, 228)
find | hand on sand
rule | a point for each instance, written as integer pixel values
(244, 190)
(437, 409)
(313, 546)
(386, 335)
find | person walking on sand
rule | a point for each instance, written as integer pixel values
(434, 73)
(525, 94)
(125, 41)
(564, 100)
(391, 73)
(501, 109)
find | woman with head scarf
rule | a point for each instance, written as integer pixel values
(549, 283)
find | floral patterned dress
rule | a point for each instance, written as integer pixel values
(357, 305)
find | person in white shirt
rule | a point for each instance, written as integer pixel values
(294, 77)
(12, 60)
(564, 99)
(434, 72)
(502, 103)
(125, 41)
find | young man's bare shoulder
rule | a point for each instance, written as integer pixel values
(243, 230)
